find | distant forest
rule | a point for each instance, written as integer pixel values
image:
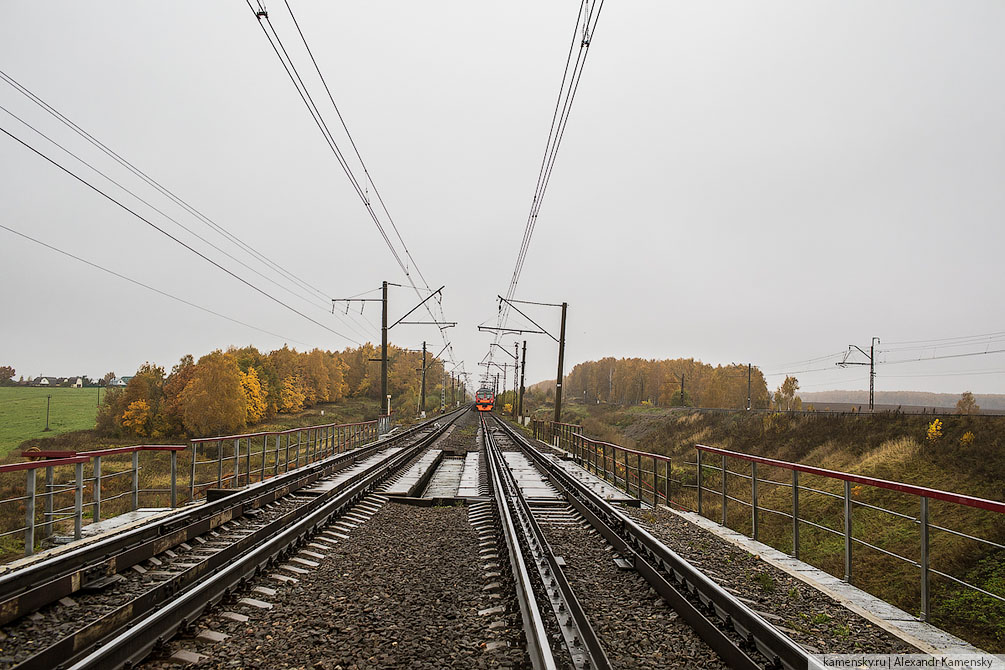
(630, 381)
(915, 398)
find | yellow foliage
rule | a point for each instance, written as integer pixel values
(213, 401)
(254, 395)
(934, 430)
(508, 408)
(967, 439)
(136, 417)
(292, 397)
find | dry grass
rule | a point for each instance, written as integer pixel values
(886, 446)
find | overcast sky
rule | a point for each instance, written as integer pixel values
(758, 182)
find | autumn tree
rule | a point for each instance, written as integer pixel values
(172, 415)
(213, 400)
(291, 397)
(967, 404)
(137, 418)
(6, 374)
(109, 376)
(785, 396)
(253, 395)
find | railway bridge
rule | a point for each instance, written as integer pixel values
(457, 542)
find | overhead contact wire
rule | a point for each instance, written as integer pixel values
(172, 237)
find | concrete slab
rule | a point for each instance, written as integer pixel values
(446, 479)
(468, 487)
(416, 476)
(330, 483)
(529, 479)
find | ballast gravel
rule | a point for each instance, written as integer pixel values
(635, 625)
(405, 591)
(811, 618)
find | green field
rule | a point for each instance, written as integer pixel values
(22, 413)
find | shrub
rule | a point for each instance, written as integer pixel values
(934, 431)
(967, 439)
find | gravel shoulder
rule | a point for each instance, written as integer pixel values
(811, 618)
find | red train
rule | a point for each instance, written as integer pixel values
(484, 399)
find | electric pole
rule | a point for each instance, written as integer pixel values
(523, 371)
(383, 351)
(561, 361)
(422, 413)
(385, 399)
(748, 387)
(872, 367)
(516, 383)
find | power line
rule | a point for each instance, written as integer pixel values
(586, 22)
(153, 207)
(351, 323)
(338, 112)
(947, 339)
(147, 286)
(153, 182)
(291, 70)
(937, 358)
(298, 83)
(172, 237)
(587, 19)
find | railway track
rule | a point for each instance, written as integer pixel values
(456, 544)
(606, 611)
(106, 604)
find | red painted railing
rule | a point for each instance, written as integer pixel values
(63, 490)
(627, 468)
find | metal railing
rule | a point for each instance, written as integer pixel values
(52, 499)
(923, 496)
(76, 485)
(233, 461)
(704, 484)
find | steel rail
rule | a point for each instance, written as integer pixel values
(536, 637)
(581, 640)
(126, 647)
(26, 589)
(729, 627)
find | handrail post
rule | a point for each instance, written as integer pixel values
(219, 464)
(136, 480)
(753, 495)
(237, 462)
(795, 514)
(926, 613)
(666, 482)
(847, 531)
(97, 489)
(29, 514)
(275, 469)
(174, 479)
(247, 463)
(638, 473)
(286, 466)
(191, 480)
(78, 501)
(265, 451)
(698, 478)
(49, 485)
(724, 489)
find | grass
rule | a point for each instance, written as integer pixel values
(22, 413)
(888, 446)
